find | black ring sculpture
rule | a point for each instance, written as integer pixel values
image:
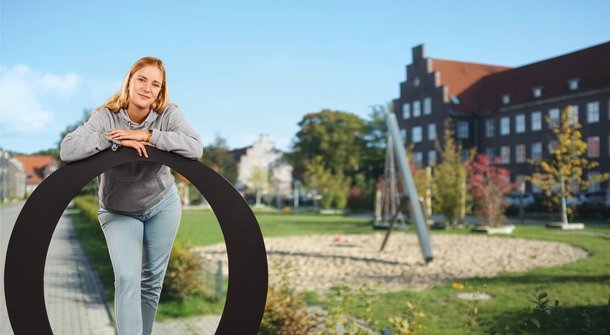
(31, 236)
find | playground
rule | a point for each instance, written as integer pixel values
(321, 262)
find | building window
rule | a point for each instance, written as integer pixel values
(593, 187)
(608, 109)
(520, 153)
(416, 134)
(552, 146)
(593, 147)
(536, 121)
(520, 123)
(537, 152)
(574, 113)
(403, 134)
(418, 159)
(416, 81)
(505, 154)
(406, 110)
(554, 117)
(462, 129)
(432, 131)
(416, 108)
(505, 126)
(593, 112)
(537, 92)
(427, 106)
(573, 84)
(432, 158)
(490, 128)
(505, 99)
(491, 154)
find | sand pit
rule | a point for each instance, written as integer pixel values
(322, 261)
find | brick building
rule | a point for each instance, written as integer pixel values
(502, 111)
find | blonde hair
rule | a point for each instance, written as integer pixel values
(121, 98)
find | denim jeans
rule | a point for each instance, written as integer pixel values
(140, 245)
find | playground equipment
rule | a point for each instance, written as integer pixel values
(415, 209)
(387, 194)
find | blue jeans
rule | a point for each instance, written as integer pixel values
(140, 245)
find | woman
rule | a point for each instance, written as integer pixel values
(139, 204)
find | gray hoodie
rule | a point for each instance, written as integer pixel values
(137, 186)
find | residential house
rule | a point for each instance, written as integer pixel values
(12, 177)
(36, 169)
(262, 167)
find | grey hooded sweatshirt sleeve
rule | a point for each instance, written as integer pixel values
(137, 186)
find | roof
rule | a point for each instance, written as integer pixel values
(480, 87)
(591, 66)
(460, 76)
(34, 167)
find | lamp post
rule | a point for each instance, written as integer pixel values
(521, 210)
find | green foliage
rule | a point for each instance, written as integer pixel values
(449, 178)
(285, 311)
(183, 275)
(328, 150)
(561, 176)
(342, 299)
(333, 187)
(334, 136)
(409, 322)
(218, 156)
(376, 140)
(88, 207)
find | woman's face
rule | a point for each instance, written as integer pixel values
(144, 86)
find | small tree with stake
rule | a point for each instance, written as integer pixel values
(560, 177)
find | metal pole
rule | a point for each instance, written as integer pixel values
(521, 209)
(219, 280)
(409, 185)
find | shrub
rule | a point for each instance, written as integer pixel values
(183, 275)
(490, 184)
(87, 204)
(285, 311)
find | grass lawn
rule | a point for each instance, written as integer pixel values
(578, 285)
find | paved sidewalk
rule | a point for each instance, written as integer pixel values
(73, 294)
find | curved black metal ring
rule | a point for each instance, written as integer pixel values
(31, 236)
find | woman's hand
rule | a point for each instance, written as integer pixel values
(125, 134)
(139, 146)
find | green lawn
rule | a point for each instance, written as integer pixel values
(578, 286)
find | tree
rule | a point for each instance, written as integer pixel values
(328, 152)
(449, 177)
(337, 137)
(260, 182)
(333, 187)
(489, 184)
(561, 176)
(376, 137)
(218, 156)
